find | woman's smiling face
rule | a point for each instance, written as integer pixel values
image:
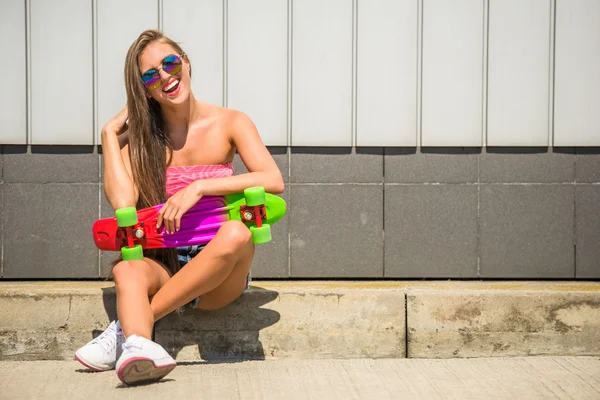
(166, 73)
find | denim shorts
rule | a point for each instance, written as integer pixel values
(185, 255)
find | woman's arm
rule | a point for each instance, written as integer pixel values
(119, 188)
(263, 172)
(262, 168)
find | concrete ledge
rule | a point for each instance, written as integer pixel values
(50, 320)
(502, 323)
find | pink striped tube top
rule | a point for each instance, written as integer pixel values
(180, 177)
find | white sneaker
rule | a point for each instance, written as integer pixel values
(101, 353)
(143, 361)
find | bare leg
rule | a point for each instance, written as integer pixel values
(135, 281)
(218, 273)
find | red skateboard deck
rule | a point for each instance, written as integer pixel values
(198, 226)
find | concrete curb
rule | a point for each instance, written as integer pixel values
(50, 320)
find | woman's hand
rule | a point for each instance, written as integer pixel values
(171, 212)
(118, 124)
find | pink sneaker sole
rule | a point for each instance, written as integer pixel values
(141, 370)
(89, 366)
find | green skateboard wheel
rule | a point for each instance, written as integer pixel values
(132, 253)
(255, 196)
(262, 234)
(126, 216)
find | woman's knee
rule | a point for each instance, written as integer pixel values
(235, 236)
(130, 273)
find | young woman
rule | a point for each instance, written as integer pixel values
(167, 146)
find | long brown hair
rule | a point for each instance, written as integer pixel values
(149, 142)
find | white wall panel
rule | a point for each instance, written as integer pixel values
(198, 26)
(13, 102)
(452, 73)
(518, 73)
(322, 73)
(577, 73)
(387, 73)
(61, 72)
(119, 24)
(258, 63)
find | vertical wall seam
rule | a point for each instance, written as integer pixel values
(551, 73)
(289, 124)
(484, 121)
(484, 77)
(95, 72)
(289, 229)
(353, 111)
(95, 113)
(29, 118)
(225, 49)
(160, 15)
(289, 79)
(419, 121)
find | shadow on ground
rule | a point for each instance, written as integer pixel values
(230, 334)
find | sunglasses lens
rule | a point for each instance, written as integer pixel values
(172, 64)
(151, 79)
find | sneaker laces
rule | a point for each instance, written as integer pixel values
(131, 345)
(108, 338)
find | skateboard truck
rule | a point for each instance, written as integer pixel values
(254, 213)
(130, 233)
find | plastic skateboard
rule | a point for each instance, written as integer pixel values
(131, 231)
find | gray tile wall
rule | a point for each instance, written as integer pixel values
(431, 231)
(353, 213)
(527, 231)
(587, 230)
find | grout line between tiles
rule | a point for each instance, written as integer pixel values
(289, 232)
(575, 232)
(478, 216)
(353, 184)
(383, 213)
(437, 184)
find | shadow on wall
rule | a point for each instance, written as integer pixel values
(340, 150)
(399, 151)
(231, 333)
(49, 149)
(336, 150)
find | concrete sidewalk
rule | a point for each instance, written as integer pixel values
(494, 378)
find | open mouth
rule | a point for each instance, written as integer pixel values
(172, 87)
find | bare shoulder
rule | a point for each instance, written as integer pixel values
(227, 117)
(237, 121)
